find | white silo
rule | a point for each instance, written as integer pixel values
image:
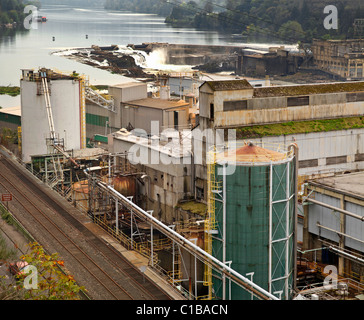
(67, 106)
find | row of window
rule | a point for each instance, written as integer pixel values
(291, 102)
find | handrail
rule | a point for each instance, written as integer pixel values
(191, 247)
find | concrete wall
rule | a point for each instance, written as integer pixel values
(140, 117)
(275, 110)
(65, 101)
(325, 217)
(343, 58)
(114, 120)
(125, 93)
(322, 153)
(249, 110)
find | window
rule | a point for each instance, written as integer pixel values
(235, 105)
(298, 101)
(355, 97)
(175, 119)
(212, 111)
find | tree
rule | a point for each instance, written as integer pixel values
(208, 7)
(7, 136)
(291, 30)
(52, 283)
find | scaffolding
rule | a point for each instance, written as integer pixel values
(185, 228)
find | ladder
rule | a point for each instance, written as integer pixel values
(210, 222)
(54, 142)
(48, 105)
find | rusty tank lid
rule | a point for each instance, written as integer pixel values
(251, 153)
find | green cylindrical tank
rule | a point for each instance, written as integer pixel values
(256, 201)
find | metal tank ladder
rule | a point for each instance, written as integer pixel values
(48, 105)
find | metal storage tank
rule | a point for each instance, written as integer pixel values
(125, 184)
(81, 194)
(255, 210)
(66, 95)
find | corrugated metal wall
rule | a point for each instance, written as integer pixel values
(331, 219)
(247, 227)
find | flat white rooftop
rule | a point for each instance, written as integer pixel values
(16, 111)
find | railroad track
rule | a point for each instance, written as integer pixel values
(132, 278)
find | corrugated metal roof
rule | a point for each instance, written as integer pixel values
(299, 90)
(157, 103)
(129, 84)
(227, 85)
(352, 184)
(16, 111)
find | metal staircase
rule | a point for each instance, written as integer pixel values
(98, 99)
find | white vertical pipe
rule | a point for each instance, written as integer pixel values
(173, 262)
(151, 245)
(224, 229)
(287, 228)
(270, 228)
(117, 215)
(251, 274)
(131, 228)
(109, 169)
(196, 275)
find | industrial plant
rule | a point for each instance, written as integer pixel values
(179, 177)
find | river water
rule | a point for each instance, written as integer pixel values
(81, 28)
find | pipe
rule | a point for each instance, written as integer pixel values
(270, 227)
(224, 230)
(345, 254)
(339, 233)
(295, 148)
(232, 274)
(361, 218)
(193, 187)
(188, 245)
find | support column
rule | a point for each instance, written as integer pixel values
(224, 231)
(270, 228)
(117, 216)
(305, 235)
(341, 262)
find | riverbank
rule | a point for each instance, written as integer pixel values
(10, 91)
(112, 59)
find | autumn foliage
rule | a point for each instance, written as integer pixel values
(52, 282)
